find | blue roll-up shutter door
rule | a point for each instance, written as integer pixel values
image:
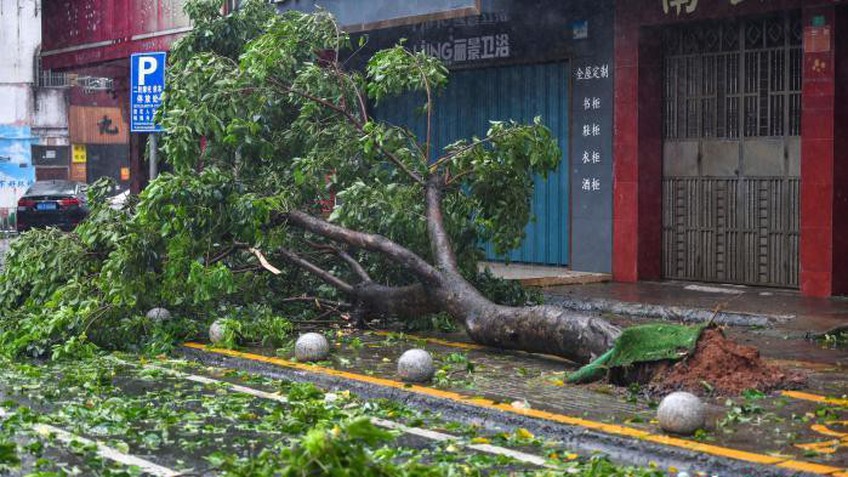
(475, 97)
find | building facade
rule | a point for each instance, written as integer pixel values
(702, 139)
(33, 116)
(728, 145)
(93, 40)
(731, 142)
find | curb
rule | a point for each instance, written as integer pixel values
(633, 451)
(665, 312)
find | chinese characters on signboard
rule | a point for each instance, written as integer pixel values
(78, 156)
(468, 39)
(592, 72)
(591, 128)
(147, 99)
(461, 50)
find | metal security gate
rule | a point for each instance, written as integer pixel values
(731, 159)
(464, 109)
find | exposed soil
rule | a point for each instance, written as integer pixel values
(726, 367)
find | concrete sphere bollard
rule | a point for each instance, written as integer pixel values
(416, 366)
(681, 413)
(159, 314)
(217, 330)
(311, 347)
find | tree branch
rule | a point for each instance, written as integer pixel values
(304, 264)
(264, 262)
(371, 242)
(319, 302)
(426, 157)
(340, 76)
(457, 177)
(354, 265)
(319, 272)
(354, 122)
(449, 157)
(440, 243)
(224, 254)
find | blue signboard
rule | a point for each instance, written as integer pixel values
(147, 82)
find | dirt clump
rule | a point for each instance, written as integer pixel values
(727, 367)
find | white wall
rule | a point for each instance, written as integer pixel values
(50, 121)
(20, 37)
(16, 102)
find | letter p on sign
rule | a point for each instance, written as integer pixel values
(146, 66)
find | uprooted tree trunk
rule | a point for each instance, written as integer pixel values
(441, 288)
(331, 106)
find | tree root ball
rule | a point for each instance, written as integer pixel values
(159, 314)
(217, 331)
(681, 413)
(416, 366)
(311, 347)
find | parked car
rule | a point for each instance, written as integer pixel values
(60, 204)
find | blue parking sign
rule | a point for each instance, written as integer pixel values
(147, 82)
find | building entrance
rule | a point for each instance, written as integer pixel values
(731, 152)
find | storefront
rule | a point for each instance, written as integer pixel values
(729, 162)
(518, 60)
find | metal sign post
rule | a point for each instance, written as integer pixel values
(147, 83)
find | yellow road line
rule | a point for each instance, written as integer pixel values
(469, 346)
(796, 363)
(438, 341)
(613, 429)
(791, 394)
(815, 398)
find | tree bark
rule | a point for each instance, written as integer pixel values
(543, 329)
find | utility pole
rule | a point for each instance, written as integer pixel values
(154, 155)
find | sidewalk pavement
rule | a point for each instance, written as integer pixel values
(785, 310)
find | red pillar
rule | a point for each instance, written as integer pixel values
(625, 143)
(637, 146)
(840, 181)
(817, 153)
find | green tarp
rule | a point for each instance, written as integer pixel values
(639, 344)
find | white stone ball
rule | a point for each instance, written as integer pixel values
(217, 331)
(159, 314)
(681, 413)
(416, 366)
(311, 347)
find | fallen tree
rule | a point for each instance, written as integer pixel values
(487, 183)
(289, 201)
(281, 171)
